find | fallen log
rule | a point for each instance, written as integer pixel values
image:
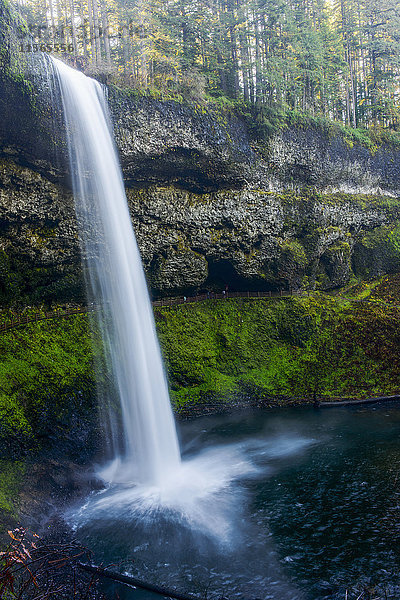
(132, 581)
(357, 402)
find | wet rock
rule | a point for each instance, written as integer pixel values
(246, 239)
(208, 210)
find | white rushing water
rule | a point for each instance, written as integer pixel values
(149, 452)
(186, 521)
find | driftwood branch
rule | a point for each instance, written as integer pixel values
(357, 402)
(128, 580)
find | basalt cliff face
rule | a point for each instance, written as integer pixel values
(209, 209)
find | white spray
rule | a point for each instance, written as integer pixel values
(150, 450)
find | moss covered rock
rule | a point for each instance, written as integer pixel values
(283, 350)
(248, 239)
(48, 391)
(252, 239)
(39, 250)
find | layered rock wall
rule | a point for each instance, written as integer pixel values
(208, 208)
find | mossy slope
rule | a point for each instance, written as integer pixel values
(47, 386)
(284, 349)
(266, 351)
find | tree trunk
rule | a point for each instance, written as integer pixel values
(73, 28)
(93, 53)
(106, 32)
(96, 26)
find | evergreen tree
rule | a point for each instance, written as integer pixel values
(339, 59)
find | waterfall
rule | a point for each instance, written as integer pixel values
(149, 451)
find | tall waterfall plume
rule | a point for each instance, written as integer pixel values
(116, 283)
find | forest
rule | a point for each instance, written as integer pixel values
(337, 58)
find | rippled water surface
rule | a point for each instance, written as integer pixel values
(289, 504)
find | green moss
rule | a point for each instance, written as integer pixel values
(263, 121)
(11, 476)
(372, 138)
(291, 347)
(39, 237)
(378, 252)
(294, 252)
(284, 348)
(211, 347)
(46, 378)
(311, 196)
(12, 61)
(12, 417)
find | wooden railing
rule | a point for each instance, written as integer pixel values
(18, 320)
(220, 296)
(42, 316)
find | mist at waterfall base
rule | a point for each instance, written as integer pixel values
(314, 516)
(237, 515)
